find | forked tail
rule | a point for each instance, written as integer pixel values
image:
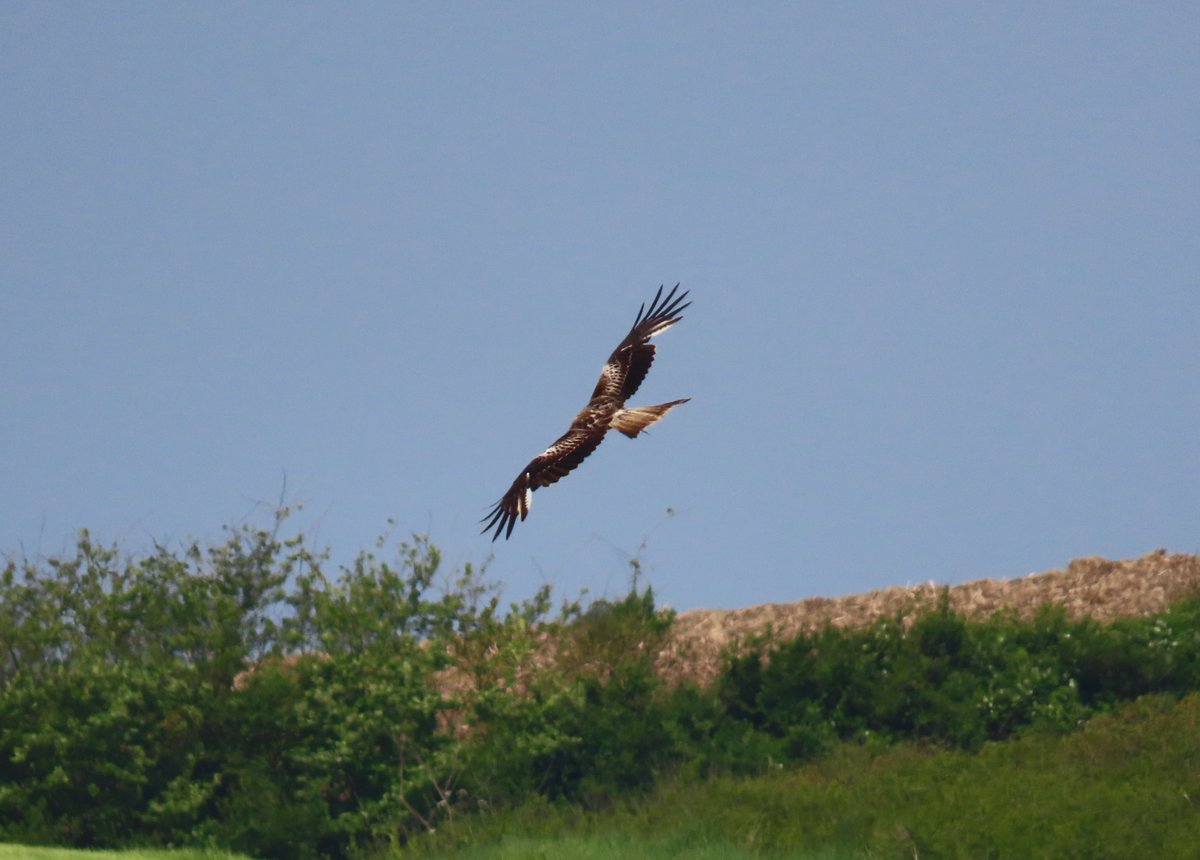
(635, 419)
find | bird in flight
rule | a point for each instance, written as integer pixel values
(619, 379)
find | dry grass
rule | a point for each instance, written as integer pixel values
(1090, 586)
(698, 639)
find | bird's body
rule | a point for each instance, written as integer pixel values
(619, 379)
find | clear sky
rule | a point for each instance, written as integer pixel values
(944, 258)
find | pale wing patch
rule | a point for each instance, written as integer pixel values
(660, 328)
(558, 449)
(611, 376)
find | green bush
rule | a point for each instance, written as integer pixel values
(233, 695)
(1123, 786)
(239, 696)
(937, 676)
(113, 675)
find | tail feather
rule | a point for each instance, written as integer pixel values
(634, 419)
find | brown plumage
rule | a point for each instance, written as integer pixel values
(619, 379)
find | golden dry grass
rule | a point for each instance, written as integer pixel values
(1091, 586)
(694, 645)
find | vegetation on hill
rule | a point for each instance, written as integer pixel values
(239, 696)
(1124, 785)
(34, 852)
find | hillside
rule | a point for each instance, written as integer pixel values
(1090, 586)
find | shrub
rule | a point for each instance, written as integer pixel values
(937, 676)
(240, 696)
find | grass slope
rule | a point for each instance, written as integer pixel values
(616, 845)
(30, 852)
(1126, 785)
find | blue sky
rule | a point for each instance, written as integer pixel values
(944, 262)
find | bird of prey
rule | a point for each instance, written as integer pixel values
(619, 379)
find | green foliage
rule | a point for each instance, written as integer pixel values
(113, 672)
(1125, 786)
(939, 677)
(609, 723)
(241, 697)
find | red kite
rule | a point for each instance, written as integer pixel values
(620, 378)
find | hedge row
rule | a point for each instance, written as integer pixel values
(237, 696)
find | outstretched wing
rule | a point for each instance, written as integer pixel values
(631, 360)
(567, 452)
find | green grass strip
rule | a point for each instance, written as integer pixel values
(31, 852)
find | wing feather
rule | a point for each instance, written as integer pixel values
(556, 462)
(629, 363)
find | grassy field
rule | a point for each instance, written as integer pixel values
(1126, 785)
(617, 847)
(596, 846)
(29, 852)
